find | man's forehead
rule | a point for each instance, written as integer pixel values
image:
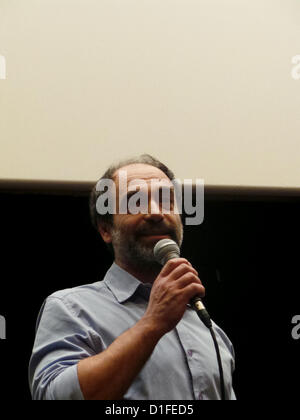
(137, 172)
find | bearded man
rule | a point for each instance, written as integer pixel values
(132, 335)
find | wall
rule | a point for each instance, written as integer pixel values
(208, 86)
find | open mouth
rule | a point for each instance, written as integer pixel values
(156, 235)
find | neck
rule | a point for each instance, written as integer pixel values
(145, 273)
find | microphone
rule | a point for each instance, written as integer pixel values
(165, 250)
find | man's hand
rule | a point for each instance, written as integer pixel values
(172, 290)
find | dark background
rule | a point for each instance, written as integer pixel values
(246, 251)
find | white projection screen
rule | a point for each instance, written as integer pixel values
(210, 87)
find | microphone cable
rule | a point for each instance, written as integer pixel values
(208, 324)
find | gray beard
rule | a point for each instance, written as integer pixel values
(135, 252)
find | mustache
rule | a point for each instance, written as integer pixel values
(156, 230)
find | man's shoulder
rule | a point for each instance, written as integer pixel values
(77, 292)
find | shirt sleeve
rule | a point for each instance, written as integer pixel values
(62, 340)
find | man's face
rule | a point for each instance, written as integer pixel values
(133, 236)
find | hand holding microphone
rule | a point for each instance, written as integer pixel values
(176, 285)
(166, 250)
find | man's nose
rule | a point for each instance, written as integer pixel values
(154, 212)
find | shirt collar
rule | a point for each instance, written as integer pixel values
(122, 284)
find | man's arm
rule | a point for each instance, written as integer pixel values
(110, 373)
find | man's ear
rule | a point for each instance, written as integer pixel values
(105, 231)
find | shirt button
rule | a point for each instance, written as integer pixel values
(190, 353)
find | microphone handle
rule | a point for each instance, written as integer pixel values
(196, 302)
(197, 305)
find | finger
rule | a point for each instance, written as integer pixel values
(186, 279)
(182, 269)
(171, 265)
(192, 290)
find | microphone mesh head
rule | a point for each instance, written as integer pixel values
(166, 249)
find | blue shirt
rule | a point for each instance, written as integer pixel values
(83, 321)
